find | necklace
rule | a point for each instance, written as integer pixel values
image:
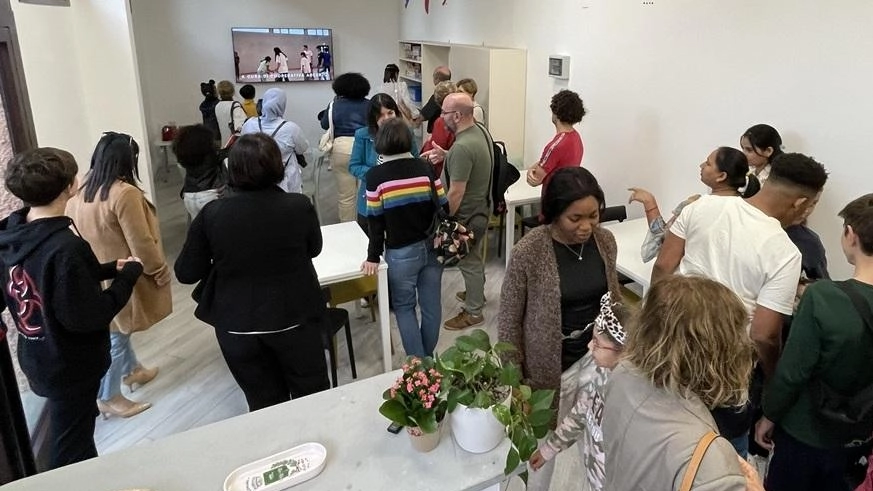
(577, 254)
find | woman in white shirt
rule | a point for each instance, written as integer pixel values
(229, 113)
(397, 89)
(761, 144)
(281, 64)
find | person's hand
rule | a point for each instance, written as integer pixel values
(536, 461)
(764, 433)
(535, 175)
(119, 264)
(369, 268)
(753, 481)
(642, 196)
(436, 155)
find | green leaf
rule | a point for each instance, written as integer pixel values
(501, 412)
(525, 392)
(542, 399)
(527, 446)
(394, 411)
(510, 375)
(481, 340)
(540, 417)
(482, 400)
(512, 461)
(464, 396)
(540, 431)
(504, 347)
(428, 423)
(466, 344)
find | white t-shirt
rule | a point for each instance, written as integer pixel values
(736, 244)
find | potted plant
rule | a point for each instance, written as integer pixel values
(480, 386)
(416, 401)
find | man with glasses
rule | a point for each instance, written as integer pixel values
(468, 163)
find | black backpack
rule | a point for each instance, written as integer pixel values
(852, 411)
(503, 173)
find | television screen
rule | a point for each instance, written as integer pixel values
(282, 54)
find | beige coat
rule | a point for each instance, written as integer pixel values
(530, 304)
(126, 225)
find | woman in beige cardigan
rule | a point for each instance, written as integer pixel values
(113, 215)
(551, 292)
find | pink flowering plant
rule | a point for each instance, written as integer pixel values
(416, 399)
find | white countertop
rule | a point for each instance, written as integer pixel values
(345, 248)
(522, 193)
(361, 454)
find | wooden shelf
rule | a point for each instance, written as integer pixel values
(411, 79)
(410, 60)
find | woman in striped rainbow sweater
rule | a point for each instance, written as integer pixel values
(400, 212)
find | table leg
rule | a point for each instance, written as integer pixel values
(510, 231)
(166, 164)
(384, 319)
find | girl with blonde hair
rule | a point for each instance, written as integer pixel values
(688, 353)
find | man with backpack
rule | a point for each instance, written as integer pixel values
(818, 405)
(469, 164)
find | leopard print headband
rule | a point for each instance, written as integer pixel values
(607, 321)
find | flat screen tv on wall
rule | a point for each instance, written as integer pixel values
(282, 54)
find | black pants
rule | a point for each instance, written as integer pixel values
(364, 224)
(273, 368)
(796, 466)
(71, 428)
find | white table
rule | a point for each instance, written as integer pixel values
(345, 248)
(520, 193)
(361, 455)
(629, 236)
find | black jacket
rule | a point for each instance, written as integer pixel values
(209, 173)
(252, 253)
(52, 287)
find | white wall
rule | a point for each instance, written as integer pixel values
(80, 70)
(666, 83)
(183, 43)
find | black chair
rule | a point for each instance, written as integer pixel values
(614, 214)
(610, 214)
(334, 320)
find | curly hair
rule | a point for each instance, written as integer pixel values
(690, 339)
(351, 86)
(567, 107)
(443, 89)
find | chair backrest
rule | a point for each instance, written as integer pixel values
(614, 214)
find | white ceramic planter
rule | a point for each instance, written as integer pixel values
(477, 430)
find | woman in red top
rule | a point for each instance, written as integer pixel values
(565, 149)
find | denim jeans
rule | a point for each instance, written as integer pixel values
(194, 202)
(123, 362)
(412, 270)
(741, 445)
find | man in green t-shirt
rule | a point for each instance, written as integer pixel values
(830, 344)
(468, 165)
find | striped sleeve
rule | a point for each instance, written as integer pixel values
(399, 192)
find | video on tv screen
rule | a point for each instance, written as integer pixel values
(282, 54)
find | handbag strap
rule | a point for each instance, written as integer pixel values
(860, 304)
(490, 142)
(696, 459)
(330, 119)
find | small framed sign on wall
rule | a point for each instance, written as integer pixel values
(56, 3)
(559, 66)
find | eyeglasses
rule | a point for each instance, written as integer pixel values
(443, 113)
(597, 345)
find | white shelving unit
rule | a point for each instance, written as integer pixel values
(500, 74)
